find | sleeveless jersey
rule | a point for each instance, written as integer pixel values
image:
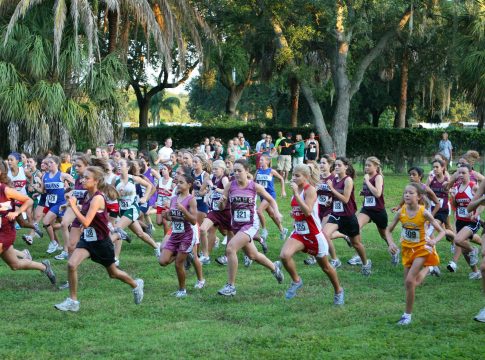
(127, 192)
(200, 179)
(216, 196)
(54, 189)
(243, 205)
(324, 196)
(311, 150)
(79, 191)
(181, 228)
(370, 201)
(441, 193)
(338, 207)
(413, 232)
(265, 179)
(164, 192)
(19, 181)
(305, 225)
(151, 178)
(6, 205)
(98, 229)
(462, 199)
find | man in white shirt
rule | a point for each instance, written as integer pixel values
(165, 152)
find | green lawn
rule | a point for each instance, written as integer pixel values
(257, 323)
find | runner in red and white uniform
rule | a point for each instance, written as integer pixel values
(307, 235)
(164, 193)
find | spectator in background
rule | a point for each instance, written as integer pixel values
(278, 139)
(153, 158)
(445, 148)
(298, 150)
(312, 149)
(284, 159)
(165, 152)
(244, 147)
(212, 143)
(98, 152)
(245, 143)
(65, 162)
(203, 145)
(111, 147)
(268, 148)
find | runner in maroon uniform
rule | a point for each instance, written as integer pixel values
(95, 241)
(8, 197)
(343, 211)
(307, 235)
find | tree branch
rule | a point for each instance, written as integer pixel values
(164, 85)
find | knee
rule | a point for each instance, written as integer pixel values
(71, 266)
(14, 266)
(409, 283)
(163, 262)
(64, 225)
(113, 274)
(285, 255)
(203, 232)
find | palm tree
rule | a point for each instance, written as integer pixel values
(159, 102)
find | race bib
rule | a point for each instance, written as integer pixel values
(441, 203)
(124, 204)
(313, 150)
(410, 235)
(178, 227)
(369, 201)
(79, 194)
(90, 234)
(322, 199)
(338, 206)
(51, 198)
(215, 205)
(301, 227)
(242, 215)
(462, 212)
(263, 183)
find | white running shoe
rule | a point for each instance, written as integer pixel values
(68, 305)
(49, 272)
(264, 233)
(205, 260)
(180, 294)
(283, 234)
(64, 286)
(473, 256)
(294, 286)
(157, 251)
(452, 267)
(367, 268)
(355, 260)
(52, 248)
(224, 242)
(475, 275)
(336, 263)
(310, 260)
(247, 261)
(138, 291)
(395, 258)
(27, 255)
(38, 230)
(222, 260)
(339, 299)
(227, 290)
(277, 273)
(480, 316)
(62, 256)
(405, 320)
(29, 240)
(117, 262)
(199, 284)
(434, 271)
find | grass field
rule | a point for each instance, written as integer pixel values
(257, 323)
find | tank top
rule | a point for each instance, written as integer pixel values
(462, 199)
(6, 205)
(98, 229)
(370, 201)
(265, 179)
(54, 189)
(441, 193)
(200, 179)
(473, 176)
(180, 226)
(148, 174)
(413, 232)
(243, 204)
(323, 191)
(33, 194)
(164, 192)
(338, 207)
(305, 225)
(215, 196)
(19, 181)
(311, 150)
(79, 192)
(127, 192)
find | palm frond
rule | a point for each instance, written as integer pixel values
(20, 10)
(60, 10)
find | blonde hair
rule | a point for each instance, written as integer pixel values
(376, 162)
(205, 164)
(222, 165)
(472, 156)
(310, 171)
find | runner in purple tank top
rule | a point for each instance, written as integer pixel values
(183, 214)
(95, 242)
(241, 194)
(343, 216)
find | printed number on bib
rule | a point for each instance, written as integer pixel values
(313, 150)
(338, 206)
(242, 215)
(263, 183)
(441, 203)
(410, 235)
(90, 234)
(462, 212)
(301, 227)
(178, 227)
(51, 198)
(124, 204)
(215, 205)
(322, 199)
(369, 201)
(161, 200)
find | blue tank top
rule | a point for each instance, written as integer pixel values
(201, 205)
(265, 179)
(54, 189)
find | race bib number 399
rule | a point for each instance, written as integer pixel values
(338, 206)
(242, 215)
(90, 234)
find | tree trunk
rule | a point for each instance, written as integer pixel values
(295, 94)
(341, 122)
(113, 30)
(143, 106)
(403, 100)
(235, 94)
(376, 114)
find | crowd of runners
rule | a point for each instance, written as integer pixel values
(84, 205)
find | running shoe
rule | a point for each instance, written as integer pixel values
(310, 260)
(27, 255)
(395, 258)
(336, 263)
(227, 290)
(68, 305)
(49, 272)
(294, 286)
(247, 261)
(452, 267)
(473, 256)
(180, 294)
(367, 268)
(434, 271)
(277, 273)
(205, 260)
(64, 286)
(52, 248)
(62, 256)
(355, 260)
(38, 230)
(222, 260)
(29, 240)
(475, 275)
(339, 298)
(157, 251)
(117, 262)
(264, 233)
(283, 234)
(224, 241)
(348, 241)
(138, 291)
(405, 320)
(149, 230)
(480, 316)
(264, 245)
(123, 234)
(200, 284)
